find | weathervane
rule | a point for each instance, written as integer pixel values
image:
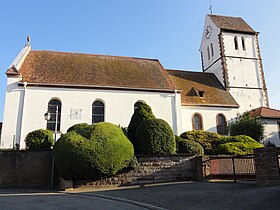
(210, 7)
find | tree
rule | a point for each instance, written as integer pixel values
(247, 125)
(144, 112)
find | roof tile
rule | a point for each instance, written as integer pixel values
(231, 23)
(49, 67)
(193, 84)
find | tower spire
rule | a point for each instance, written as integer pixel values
(210, 7)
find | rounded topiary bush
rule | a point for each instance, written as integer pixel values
(189, 147)
(154, 136)
(101, 154)
(206, 139)
(39, 140)
(144, 112)
(236, 145)
(83, 129)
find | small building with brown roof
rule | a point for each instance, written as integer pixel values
(270, 119)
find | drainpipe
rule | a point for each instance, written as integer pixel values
(22, 113)
(177, 124)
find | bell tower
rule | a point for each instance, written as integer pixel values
(230, 49)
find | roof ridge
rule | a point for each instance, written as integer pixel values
(227, 16)
(270, 108)
(88, 54)
(189, 71)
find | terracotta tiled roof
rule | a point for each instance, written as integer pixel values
(265, 112)
(12, 71)
(48, 67)
(231, 23)
(197, 84)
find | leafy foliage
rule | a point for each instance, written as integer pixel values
(205, 139)
(188, 147)
(144, 112)
(154, 136)
(102, 152)
(39, 140)
(249, 126)
(236, 145)
(215, 144)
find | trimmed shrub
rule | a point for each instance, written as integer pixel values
(246, 125)
(215, 144)
(144, 112)
(39, 140)
(177, 139)
(83, 129)
(101, 154)
(236, 145)
(189, 147)
(206, 139)
(154, 137)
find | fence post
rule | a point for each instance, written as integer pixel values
(233, 167)
(267, 166)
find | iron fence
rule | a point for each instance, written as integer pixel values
(232, 167)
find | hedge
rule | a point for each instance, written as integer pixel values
(101, 153)
(39, 140)
(154, 136)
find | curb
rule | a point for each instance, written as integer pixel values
(123, 200)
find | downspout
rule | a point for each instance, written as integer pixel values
(22, 114)
(177, 124)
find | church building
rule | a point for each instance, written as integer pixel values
(90, 88)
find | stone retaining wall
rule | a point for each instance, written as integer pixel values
(151, 169)
(25, 169)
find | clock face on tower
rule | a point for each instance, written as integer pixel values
(208, 32)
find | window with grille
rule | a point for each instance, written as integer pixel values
(53, 106)
(197, 122)
(221, 124)
(97, 111)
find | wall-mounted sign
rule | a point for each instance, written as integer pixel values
(76, 114)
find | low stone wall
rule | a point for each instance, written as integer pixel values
(25, 168)
(151, 169)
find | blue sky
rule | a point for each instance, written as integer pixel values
(169, 30)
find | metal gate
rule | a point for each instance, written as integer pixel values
(232, 167)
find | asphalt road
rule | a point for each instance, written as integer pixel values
(198, 195)
(183, 195)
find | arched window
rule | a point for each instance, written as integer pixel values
(212, 50)
(208, 53)
(53, 106)
(235, 43)
(221, 124)
(137, 104)
(243, 43)
(97, 111)
(197, 122)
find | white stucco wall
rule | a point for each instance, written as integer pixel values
(271, 131)
(208, 114)
(119, 107)
(214, 39)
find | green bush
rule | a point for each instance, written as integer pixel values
(144, 112)
(206, 139)
(39, 140)
(249, 126)
(102, 153)
(189, 147)
(215, 144)
(82, 128)
(154, 136)
(236, 145)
